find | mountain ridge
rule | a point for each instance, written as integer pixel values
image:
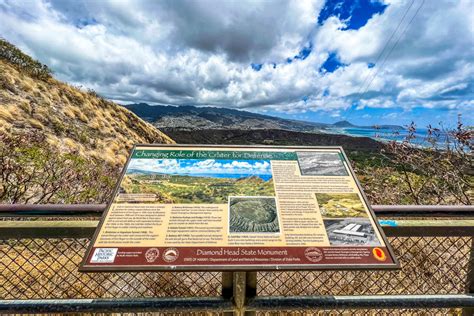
(189, 117)
(192, 117)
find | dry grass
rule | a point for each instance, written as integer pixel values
(71, 118)
(26, 107)
(5, 115)
(35, 123)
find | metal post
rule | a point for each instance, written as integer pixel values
(240, 287)
(227, 288)
(251, 290)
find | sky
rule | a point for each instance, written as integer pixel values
(366, 61)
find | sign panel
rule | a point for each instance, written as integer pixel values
(237, 208)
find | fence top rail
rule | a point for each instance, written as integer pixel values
(85, 228)
(96, 210)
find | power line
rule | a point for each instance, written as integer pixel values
(386, 44)
(381, 53)
(391, 50)
(394, 45)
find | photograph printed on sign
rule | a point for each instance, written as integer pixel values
(253, 214)
(351, 232)
(194, 181)
(340, 205)
(321, 164)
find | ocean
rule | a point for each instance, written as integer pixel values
(386, 135)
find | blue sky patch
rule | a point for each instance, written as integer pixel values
(355, 13)
(223, 168)
(304, 52)
(331, 64)
(233, 55)
(256, 67)
(83, 22)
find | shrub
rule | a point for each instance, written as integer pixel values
(32, 171)
(406, 173)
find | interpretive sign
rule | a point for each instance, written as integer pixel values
(237, 208)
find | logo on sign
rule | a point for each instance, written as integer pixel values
(104, 255)
(379, 254)
(313, 254)
(170, 254)
(151, 254)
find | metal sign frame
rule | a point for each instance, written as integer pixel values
(84, 267)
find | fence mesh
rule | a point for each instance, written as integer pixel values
(429, 265)
(47, 268)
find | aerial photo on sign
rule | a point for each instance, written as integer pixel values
(321, 164)
(226, 207)
(195, 180)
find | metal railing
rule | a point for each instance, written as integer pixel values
(39, 258)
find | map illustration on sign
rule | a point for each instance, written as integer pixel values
(237, 208)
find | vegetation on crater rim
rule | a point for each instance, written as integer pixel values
(190, 189)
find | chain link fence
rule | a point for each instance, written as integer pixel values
(46, 268)
(429, 265)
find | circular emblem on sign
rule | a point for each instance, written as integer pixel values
(379, 254)
(313, 254)
(151, 254)
(170, 254)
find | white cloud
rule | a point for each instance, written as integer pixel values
(199, 52)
